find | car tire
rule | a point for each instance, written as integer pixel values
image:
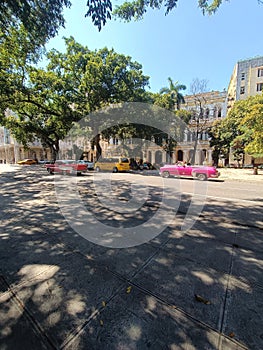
(50, 171)
(115, 170)
(97, 169)
(201, 177)
(166, 174)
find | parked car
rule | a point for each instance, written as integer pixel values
(146, 166)
(90, 165)
(27, 161)
(198, 172)
(114, 164)
(44, 161)
(66, 167)
(140, 165)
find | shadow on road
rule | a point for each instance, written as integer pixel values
(182, 289)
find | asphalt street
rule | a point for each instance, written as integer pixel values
(94, 263)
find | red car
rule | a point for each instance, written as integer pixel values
(198, 172)
(66, 167)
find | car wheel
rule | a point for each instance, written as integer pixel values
(166, 174)
(201, 177)
(97, 169)
(115, 170)
(50, 171)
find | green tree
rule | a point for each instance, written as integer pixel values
(136, 9)
(75, 83)
(253, 121)
(220, 140)
(241, 130)
(17, 53)
(173, 90)
(40, 19)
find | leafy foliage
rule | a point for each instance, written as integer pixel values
(241, 130)
(173, 90)
(253, 121)
(99, 11)
(40, 19)
(136, 9)
(46, 102)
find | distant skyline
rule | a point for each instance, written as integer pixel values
(183, 45)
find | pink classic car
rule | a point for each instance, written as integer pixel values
(198, 172)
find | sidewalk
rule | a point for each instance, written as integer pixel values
(240, 174)
(197, 290)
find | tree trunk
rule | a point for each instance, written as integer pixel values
(98, 147)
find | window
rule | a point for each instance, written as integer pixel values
(242, 90)
(259, 86)
(260, 72)
(242, 76)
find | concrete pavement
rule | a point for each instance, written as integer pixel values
(202, 289)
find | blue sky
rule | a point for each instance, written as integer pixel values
(182, 45)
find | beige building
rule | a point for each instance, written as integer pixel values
(246, 80)
(11, 151)
(205, 109)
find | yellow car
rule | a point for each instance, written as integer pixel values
(114, 164)
(27, 162)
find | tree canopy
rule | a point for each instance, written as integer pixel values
(173, 91)
(40, 19)
(46, 102)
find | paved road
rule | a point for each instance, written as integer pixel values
(225, 189)
(200, 288)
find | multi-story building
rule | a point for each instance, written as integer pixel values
(205, 108)
(246, 80)
(11, 151)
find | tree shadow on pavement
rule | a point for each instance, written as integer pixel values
(183, 289)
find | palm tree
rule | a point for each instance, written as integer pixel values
(174, 91)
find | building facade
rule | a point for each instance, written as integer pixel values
(205, 108)
(11, 151)
(246, 80)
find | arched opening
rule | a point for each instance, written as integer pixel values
(203, 156)
(180, 155)
(158, 157)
